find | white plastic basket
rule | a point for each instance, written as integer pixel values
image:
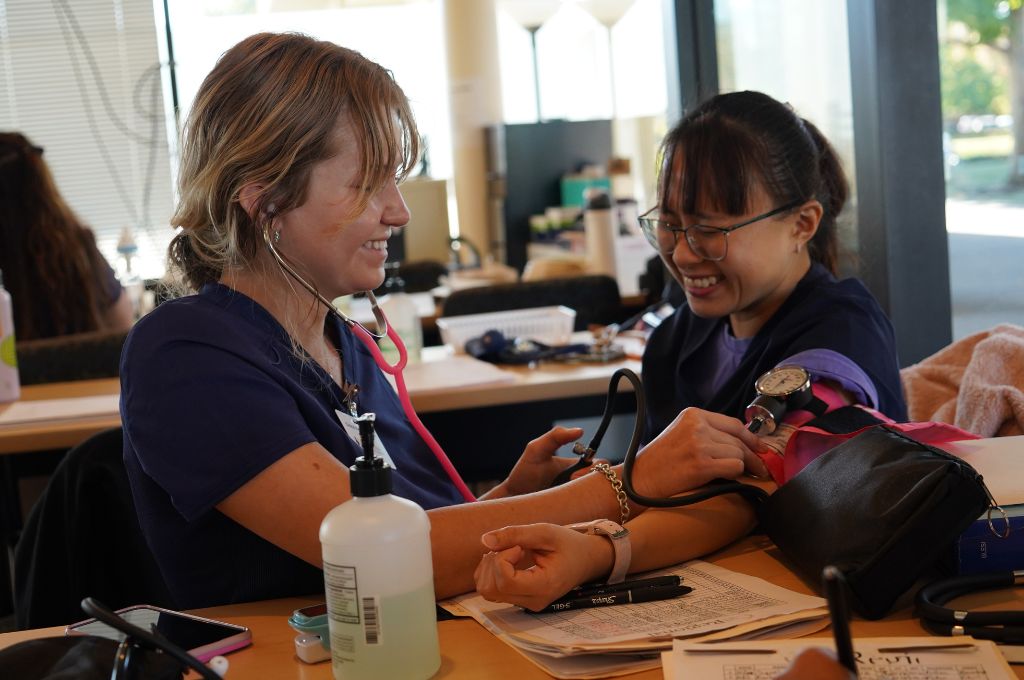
(550, 325)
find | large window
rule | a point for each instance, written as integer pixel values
(82, 80)
(982, 60)
(795, 51)
(406, 38)
(589, 71)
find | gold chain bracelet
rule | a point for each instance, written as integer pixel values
(620, 495)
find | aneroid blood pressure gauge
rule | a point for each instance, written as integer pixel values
(783, 388)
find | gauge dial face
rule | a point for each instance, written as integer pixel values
(782, 381)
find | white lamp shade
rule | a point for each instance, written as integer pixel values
(530, 14)
(608, 12)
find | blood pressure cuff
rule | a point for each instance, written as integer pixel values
(882, 507)
(83, 657)
(791, 448)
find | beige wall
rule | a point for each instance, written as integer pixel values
(474, 79)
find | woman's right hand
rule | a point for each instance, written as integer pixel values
(815, 663)
(697, 447)
(530, 565)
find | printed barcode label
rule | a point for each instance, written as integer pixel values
(371, 620)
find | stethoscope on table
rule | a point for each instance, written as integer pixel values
(369, 339)
(1005, 627)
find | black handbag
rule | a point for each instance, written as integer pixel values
(882, 507)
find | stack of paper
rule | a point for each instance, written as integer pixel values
(452, 372)
(604, 641)
(54, 410)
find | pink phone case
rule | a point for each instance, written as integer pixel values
(234, 636)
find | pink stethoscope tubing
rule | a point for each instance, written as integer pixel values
(368, 339)
(403, 397)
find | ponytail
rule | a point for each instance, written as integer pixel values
(832, 193)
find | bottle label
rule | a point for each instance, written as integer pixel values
(7, 353)
(371, 618)
(342, 593)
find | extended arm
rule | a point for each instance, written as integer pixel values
(308, 482)
(532, 565)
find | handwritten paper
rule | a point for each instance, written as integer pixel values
(890, 658)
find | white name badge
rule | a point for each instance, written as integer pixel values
(352, 428)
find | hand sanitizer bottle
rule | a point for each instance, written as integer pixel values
(10, 385)
(379, 577)
(400, 310)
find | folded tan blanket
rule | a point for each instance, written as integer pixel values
(976, 383)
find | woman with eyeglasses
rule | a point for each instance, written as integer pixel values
(748, 197)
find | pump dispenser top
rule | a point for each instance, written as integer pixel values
(370, 476)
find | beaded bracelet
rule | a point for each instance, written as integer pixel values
(616, 483)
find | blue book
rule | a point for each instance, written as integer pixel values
(979, 551)
(1000, 461)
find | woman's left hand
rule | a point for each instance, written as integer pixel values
(538, 466)
(531, 565)
(697, 447)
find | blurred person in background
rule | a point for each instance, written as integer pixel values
(58, 279)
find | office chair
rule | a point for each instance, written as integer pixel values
(82, 356)
(82, 538)
(595, 298)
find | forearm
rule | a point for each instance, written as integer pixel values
(664, 536)
(456, 530)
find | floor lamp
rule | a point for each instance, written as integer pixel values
(531, 15)
(608, 13)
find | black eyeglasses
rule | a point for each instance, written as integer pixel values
(709, 243)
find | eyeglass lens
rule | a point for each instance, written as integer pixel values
(707, 243)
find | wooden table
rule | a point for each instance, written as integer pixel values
(548, 381)
(43, 435)
(532, 390)
(469, 651)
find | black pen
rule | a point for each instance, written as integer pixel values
(587, 590)
(620, 597)
(832, 583)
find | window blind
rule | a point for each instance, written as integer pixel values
(82, 79)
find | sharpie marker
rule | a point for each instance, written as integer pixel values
(832, 583)
(637, 584)
(620, 597)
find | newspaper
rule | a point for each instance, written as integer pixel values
(604, 641)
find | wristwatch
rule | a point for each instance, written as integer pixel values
(781, 389)
(618, 535)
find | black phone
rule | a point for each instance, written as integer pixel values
(202, 638)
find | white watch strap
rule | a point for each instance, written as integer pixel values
(619, 537)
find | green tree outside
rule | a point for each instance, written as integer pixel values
(998, 25)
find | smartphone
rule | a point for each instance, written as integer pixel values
(202, 638)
